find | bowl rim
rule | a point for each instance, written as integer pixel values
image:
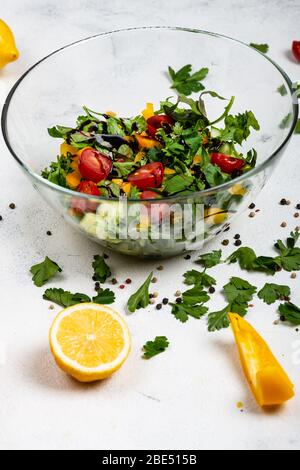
(205, 192)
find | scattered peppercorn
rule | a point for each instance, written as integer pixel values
(297, 329)
(179, 300)
(165, 301)
(114, 281)
(12, 206)
(227, 228)
(177, 293)
(187, 257)
(151, 296)
(49, 233)
(1, 218)
(152, 301)
(298, 207)
(155, 295)
(282, 318)
(154, 280)
(276, 322)
(51, 307)
(225, 242)
(128, 281)
(122, 286)
(237, 236)
(238, 242)
(252, 214)
(94, 278)
(293, 275)
(296, 215)
(283, 224)
(211, 290)
(105, 256)
(252, 206)
(97, 285)
(160, 268)
(158, 306)
(283, 202)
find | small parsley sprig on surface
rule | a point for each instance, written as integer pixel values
(195, 277)
(290, 312)
(65, 298)
(209, 260)
(272, 292)
(101, 269)
(157, 346)
(141, 298)
(44, 271)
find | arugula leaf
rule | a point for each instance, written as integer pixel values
(209, 260)
(44, 271)
(186, 82)
(183, 311)
(290, 312)
(141, 297)
(239, 291)
(264, 48)
(177, 184)
(152, 348)
(101, 269)
(59, 132)
(104, 296)
(65, 298)
(194, 277)
(272, 292)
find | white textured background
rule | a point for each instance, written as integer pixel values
(185, 398)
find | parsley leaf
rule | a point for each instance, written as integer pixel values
(272, 292)
(59, 132)
(152, 348)
(194, 296)
(58, 171)
(209, 260)
(194, 277)
(182, 311)
(65, 298)
(250, 262)
(289, 258)
(101, 269)
(104, 296)
(185, 82)
(264, 48)
(141, 297)
(44, 271)
(237, 128)
(218, 320)
(290, 312)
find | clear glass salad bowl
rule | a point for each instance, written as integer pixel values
(121, 71)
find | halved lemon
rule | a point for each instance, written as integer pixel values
(89, 341)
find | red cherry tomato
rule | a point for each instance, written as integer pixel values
(156, 122)
(296, 50)
(93, 165)
(149, 195)
(227, 163)
(148, 176)
(89, 187)
(80, 205)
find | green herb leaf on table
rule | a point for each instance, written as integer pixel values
(65, 298)
(272, 292)
(218, 320)
(195, 277)
(289, 258)
(290, 312)
(157, 346)
(185, 82)
(141, 298)
(101, 269)
(104, 296)
(264, 48)
(44, 271)
(249, 261)
(209, 260)
(183, 311)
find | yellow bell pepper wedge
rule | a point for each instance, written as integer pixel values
(268, 381)
(73, 179)
(197, 159)
(237, 190)
(215, 216)
(169, 171)
(117, 181)
(139, 156)
(149, 111)
(146, 142)
(66, 148)
(126, 188)
(110, 113)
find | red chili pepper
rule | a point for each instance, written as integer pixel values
(148, 176)
(93, 165)
(156, 122)
(296, 50)
(227, 163)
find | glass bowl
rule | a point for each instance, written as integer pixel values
(121, 71)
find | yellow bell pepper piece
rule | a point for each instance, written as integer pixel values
(126, 188)
(197, 159)
(269, 382)
(146, 142)
(73, 179)
(169, 171)
(66, 148)
(8, 49)
(149, 111)
(215, 216)
(237, 190)
(139, 156)
(110, 113)
(117, 181)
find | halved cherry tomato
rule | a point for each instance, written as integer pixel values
(93, 165)
(156, 122)
(149, 195)
(148, 176)
(80, 205)
(89, 187)
(227, 163)
(296, 50)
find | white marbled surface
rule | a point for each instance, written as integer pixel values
(186, 398)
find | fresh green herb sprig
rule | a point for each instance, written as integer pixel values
(157, 346)
(185, 82)
(290, 312)
(141, 298)
(101, 269)
(272, 292)
(44, 271)
(264, 48)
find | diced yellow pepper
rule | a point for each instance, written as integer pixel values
(149, 111)
(146, 142)
(215, 216)
(197, 160)
(269, 382)
(117, 181)
(110, 113)
(66, 148)
(139, 156)
(73, 179)
(169, 171)
(237, 190)
(126, 188)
